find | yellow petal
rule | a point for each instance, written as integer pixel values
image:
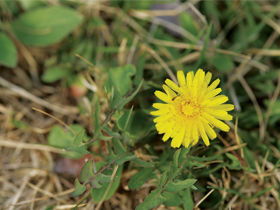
(178, 139)
(210, 131)
(203, 86)
(207, 79)
(159, 129)
(163, 127)
(217, 123)
(217, 100)
(162, 96)
(189, 78)
(160, 106)
(225, 107)
(187, 139)
(172, 85)
(220, 114)
(213, 85)
(213, 93)
(195, 136)
(162, 118)
(169, 92)
(181, 78)
(166, 136)
(169, 131)
(203, 134)
(199, 76)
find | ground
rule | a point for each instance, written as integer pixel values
(77, 82)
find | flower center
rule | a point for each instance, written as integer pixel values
(188, 108)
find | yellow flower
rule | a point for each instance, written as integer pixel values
(191, 109)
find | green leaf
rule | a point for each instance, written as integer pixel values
(264, 83)
(235, 163)
(76, 151)
(8, 52)
(131, 96)
(124, 120)
(118, 146)
(176, 157)
(96, 120)
(79, 188)
(98, 179)
(108, 189)
(138, 5)
(80, 137)
(137, 123)
(46, 26)
(49, 208)
(249, 157)
(205, 46)
(143, 163)
(125, 158)
(20, 124)
(127, 120)
(183, 156)
(28, 4)
(141, 124)
(211, 9)
(96, 22)
(180, 185)
(140, 65)
(111, 133)
(140, 178)
(188, 23)
(261, 192)
(95, 183)
(55, 73)
(120, 78)
(163, 179)
(115, 97)
(275, 111)
(102, 178)
(71, 141)
(154, 199)
(223, 63)
(171, 199)
(59, 138)
(187, 199)
(117, 101)
(87, 171)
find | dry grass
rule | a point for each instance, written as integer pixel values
(29, 174)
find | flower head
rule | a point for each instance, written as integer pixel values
(191, 109)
